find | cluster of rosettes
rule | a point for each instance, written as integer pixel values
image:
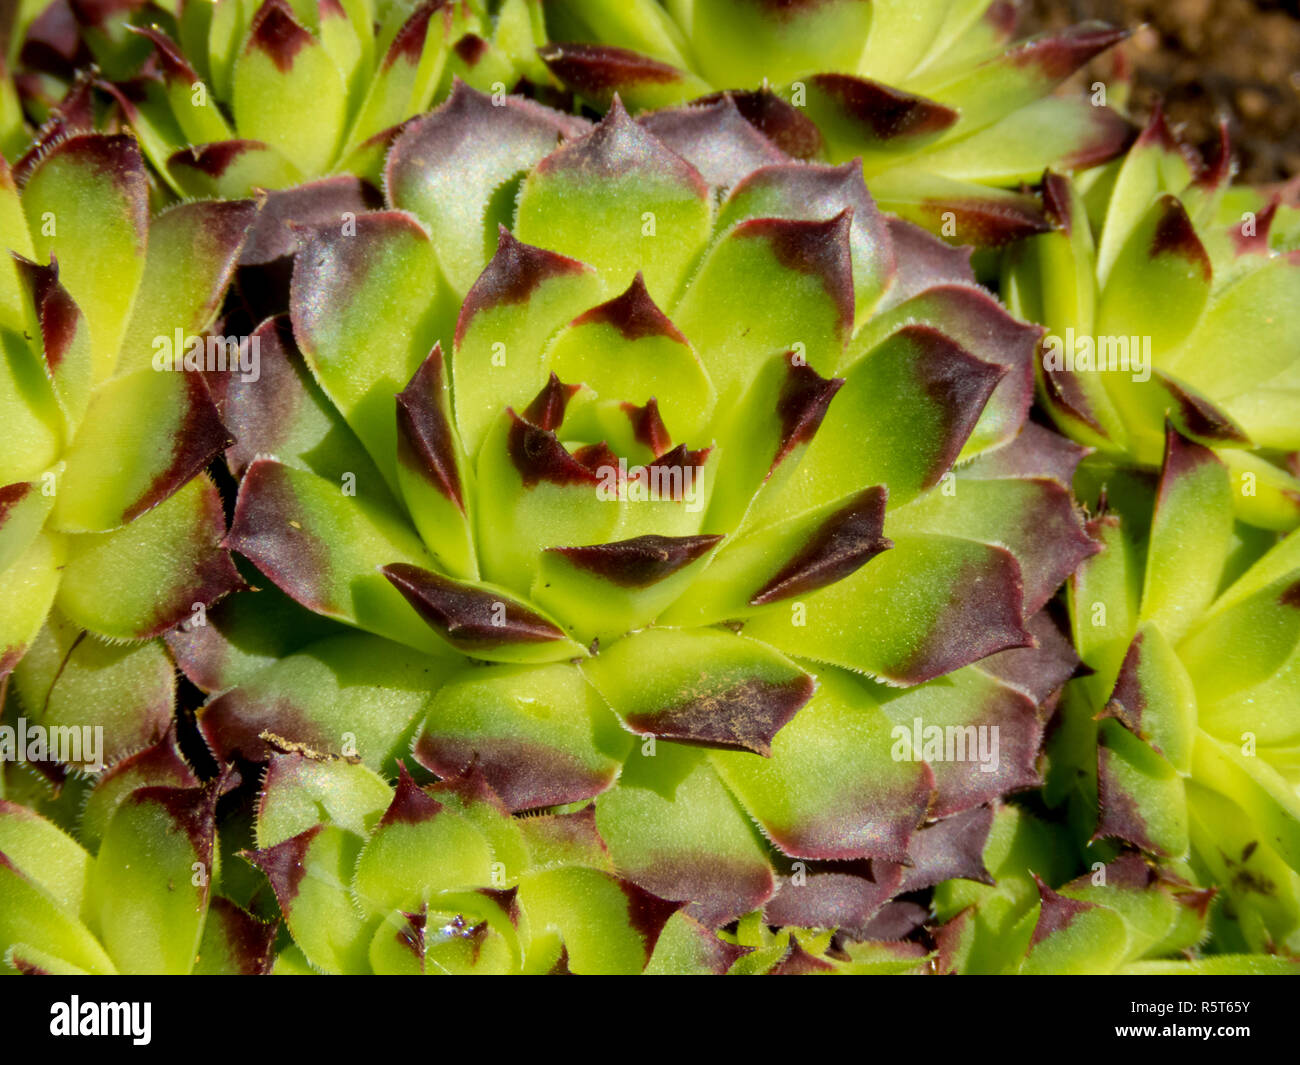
(720, 471)
(1169, 294)
(228, 96)
(109, 530)
(949, 112)
(667, 522)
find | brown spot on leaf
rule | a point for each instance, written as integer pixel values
(640, 561)
(745, 716)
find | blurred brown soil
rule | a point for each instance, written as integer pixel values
(1206, 58)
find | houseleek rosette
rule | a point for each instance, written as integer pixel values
(142, 898)
(948, 111)
(1128, 916)
(232, 95)
(109, 529)
(1182, 740)
(1202, 275)
(694, 488)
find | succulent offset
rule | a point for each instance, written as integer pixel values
(1126, 916)
(1200, 279)
(947, 110)
(228, 96)
(109, 530)
(1182, 740)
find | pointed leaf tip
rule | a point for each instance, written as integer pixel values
(276, 32)
(469, 617)
(511, 277)
(640, 561)
(634, 314)
(842, 544)
(411, 804)
(424, 430)
(546, 411)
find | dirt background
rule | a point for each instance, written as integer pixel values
(1240, 58)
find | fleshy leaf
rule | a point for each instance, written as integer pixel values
(456, 169)
(146, 577)
(523, 296)
(481, 620)
(87, 203)
(941, 603)
(353, 694)
(785, 264)
(145, 435)
(605, 590)
(301, 790)
(704, 687)
(375, 285)
(235, 943)
(715, 139)
(295, 527)
(831, 788)
(620, 200)
(432, 471)
(281, 65)
(674, 829)
(193, 251)
(311, 875)
(605, 925)
(815, 193)
(918, 386)
(599, 72)
(148, 893)
(541, 735)
(30, 915)
(1189, 536)
(121, 695)
(627, 349)
(161, 765)
(419, 848)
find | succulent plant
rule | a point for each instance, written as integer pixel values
(1126, 916)
(948, 112)
(233, 95)
(109, 529)
(630, 540)
(634, 550)
(1184, 304)
(143, 898)
(442, 879)
(1181, 741)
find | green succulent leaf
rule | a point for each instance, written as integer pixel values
(148, 892)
